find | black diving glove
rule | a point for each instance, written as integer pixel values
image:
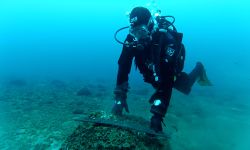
(118, 107)
(120, 99)
(156, 123)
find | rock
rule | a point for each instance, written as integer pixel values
(58, 83)
(84, 92)
(92, 137)
(78, 111)
(17, 82)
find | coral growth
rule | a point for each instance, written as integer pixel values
(94, 136)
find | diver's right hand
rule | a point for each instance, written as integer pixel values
(118, 107)
(120, 96)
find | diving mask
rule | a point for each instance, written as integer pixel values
(139, 32)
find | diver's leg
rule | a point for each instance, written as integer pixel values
(196, 73)
(184, 81)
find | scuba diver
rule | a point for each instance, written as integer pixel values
(159, 54)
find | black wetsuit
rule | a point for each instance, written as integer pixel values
(160, 62)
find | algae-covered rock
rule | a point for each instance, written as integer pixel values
(93, 136)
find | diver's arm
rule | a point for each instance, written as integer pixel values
(124, 67)
(125, 63)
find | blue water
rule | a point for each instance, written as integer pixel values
(72, 39)
(75, 38)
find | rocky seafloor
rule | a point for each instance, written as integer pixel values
(39, 115)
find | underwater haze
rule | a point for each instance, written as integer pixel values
(50, 49)
(75, 38)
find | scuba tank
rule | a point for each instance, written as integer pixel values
(166, 26)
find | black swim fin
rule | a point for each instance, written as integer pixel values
(203, 80)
